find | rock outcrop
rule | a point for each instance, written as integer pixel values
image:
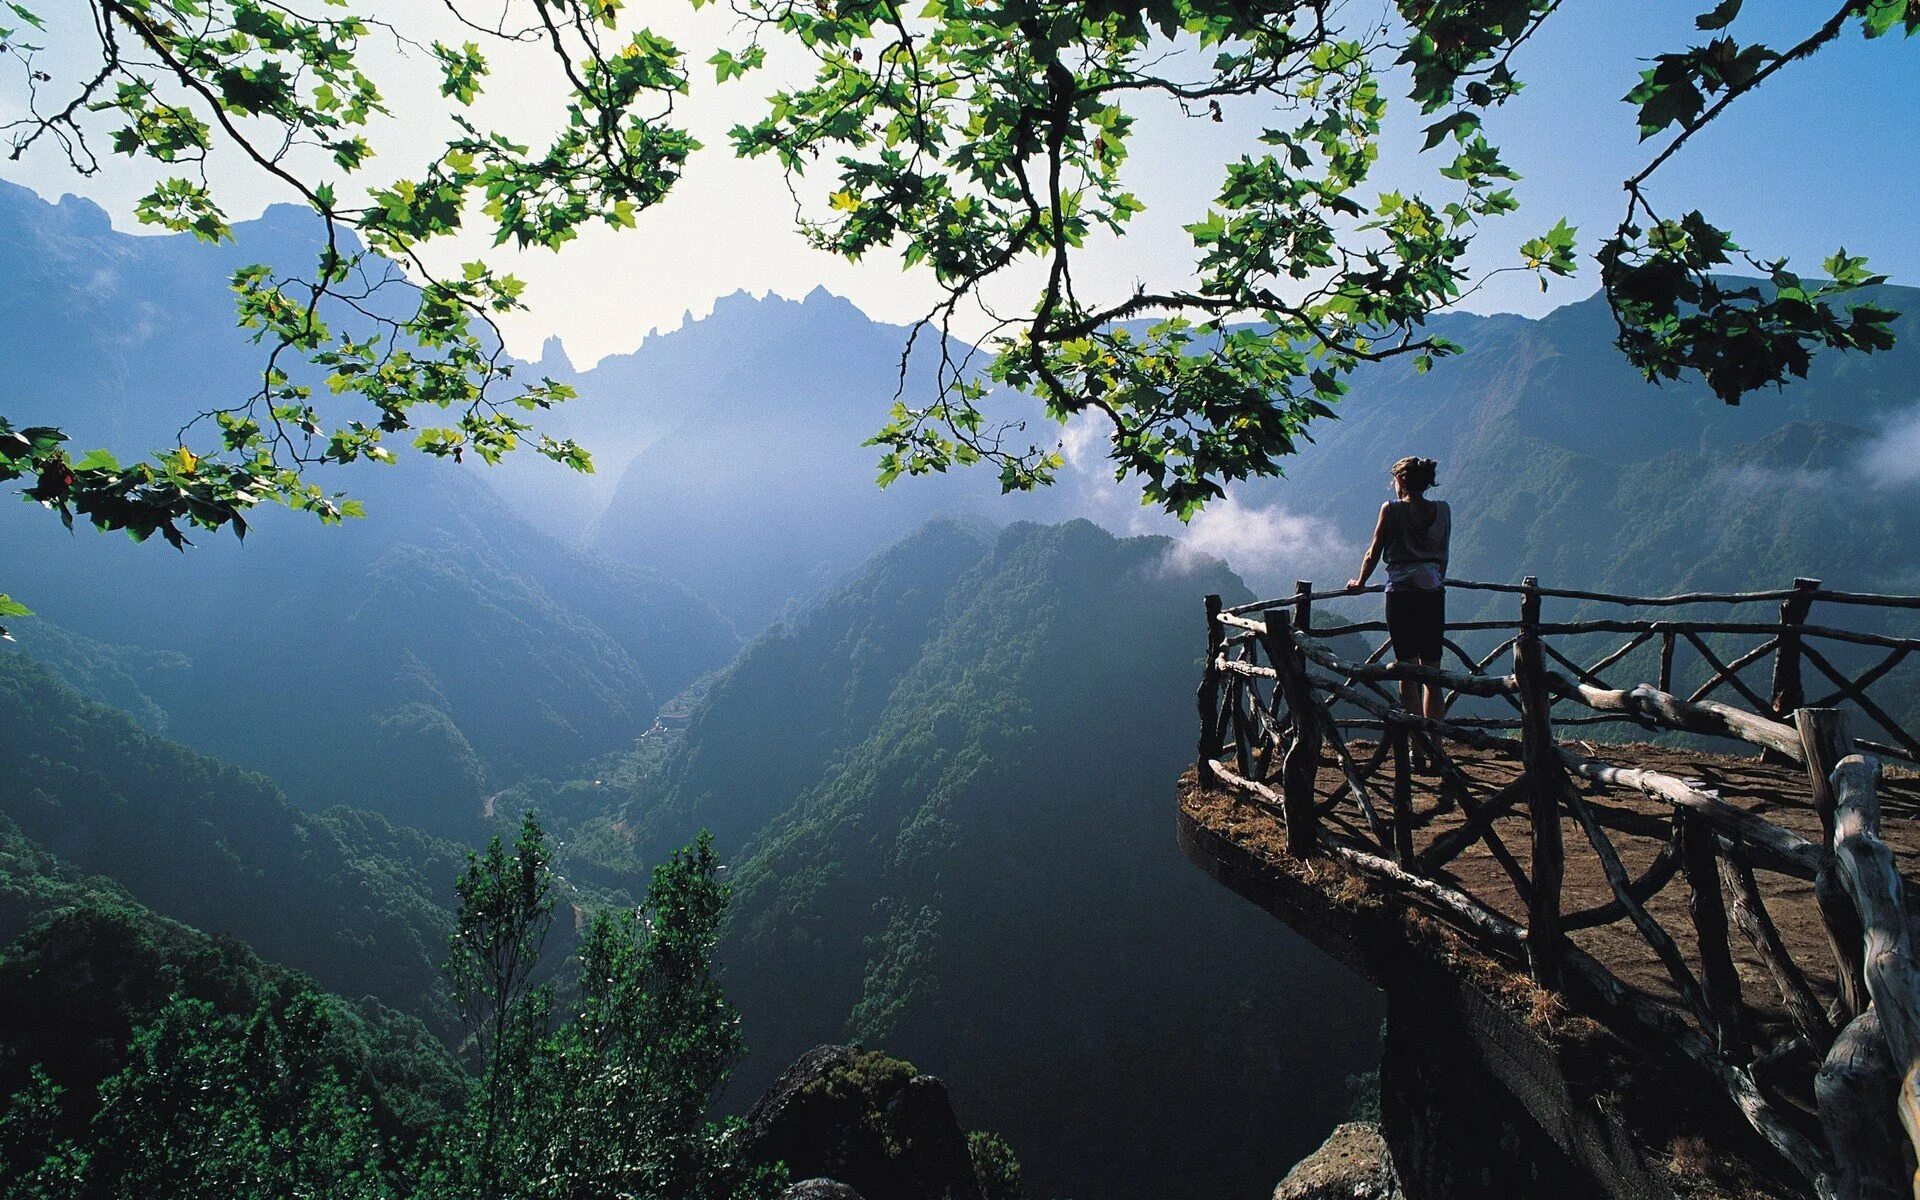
(870, 1123)
(820, 1189)
(1352, 1164)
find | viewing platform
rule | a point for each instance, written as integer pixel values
(1617, 888)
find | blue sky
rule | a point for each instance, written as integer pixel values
(1822, 157)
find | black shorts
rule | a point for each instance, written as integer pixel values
(1416, 621)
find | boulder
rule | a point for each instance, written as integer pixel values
(1352, 1164)
(867, 1121)
(820, 1189)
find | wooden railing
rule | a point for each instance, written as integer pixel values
(1281, 708)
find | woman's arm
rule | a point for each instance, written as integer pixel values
(1373, 551)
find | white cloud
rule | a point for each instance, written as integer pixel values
(1748, 481)
(1265, 545)
(1893, 458)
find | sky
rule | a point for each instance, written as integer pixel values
(1820, 158)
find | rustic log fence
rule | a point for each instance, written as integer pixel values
(1281, 709)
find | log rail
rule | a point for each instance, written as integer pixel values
(1279, 702)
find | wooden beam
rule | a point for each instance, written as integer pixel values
(1750, 914)
(1650, 930)
(1300, 769)
(1648, 703)
(1707, 906)
(1773, 848)
(1853, 692)
(1787, 692)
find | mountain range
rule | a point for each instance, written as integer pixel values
(934, 730)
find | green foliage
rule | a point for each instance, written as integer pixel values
(506, 909)
(142, 1054)
(204, 1110)
(995, 1166)
(611, 1100)
(974, 140)
(183, 83)
(208, 1107)
(9, 607)
(978, 140)
(1660, 274)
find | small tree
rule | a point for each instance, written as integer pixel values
(629, 1078)
(506, 910)
(612, 1099)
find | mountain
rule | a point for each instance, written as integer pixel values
(756, 490)
(362, 905)
(946, 789)
(366, 663)
(1561, 462)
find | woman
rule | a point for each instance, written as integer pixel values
(1412, 536)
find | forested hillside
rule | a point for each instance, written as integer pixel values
(948, 783)
(83, 965)
(360, 904)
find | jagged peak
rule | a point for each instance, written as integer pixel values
(553, 355)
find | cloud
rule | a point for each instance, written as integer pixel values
(1083, 441)
(1265, 544)
(1893, 458)
(1747, 480)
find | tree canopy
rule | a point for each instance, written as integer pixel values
(974, 140)
(265, 1087)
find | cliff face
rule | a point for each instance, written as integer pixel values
(1487, 1089)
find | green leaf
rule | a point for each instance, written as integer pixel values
(1721, 16)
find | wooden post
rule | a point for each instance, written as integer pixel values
(1666, 661)
(1719, 980)
(1824, 742)
(1303, 605)
(1402, 797)
(1787, 692)
(1209, 698)
(1546, 783)
(1242, 727)
(1850, 1094)
(1301, 768)
(1872, 879)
